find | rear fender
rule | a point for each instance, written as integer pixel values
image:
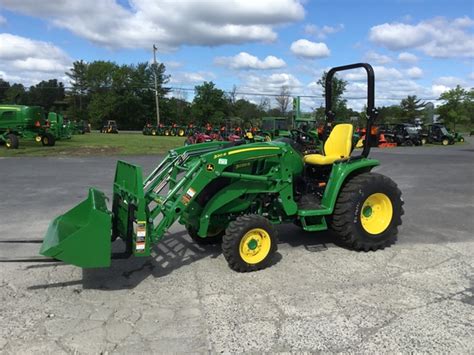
(339, 175)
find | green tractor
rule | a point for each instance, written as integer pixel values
(437, 133)
(19, 121)
(274, 127)
(60, 128)
(237, 194)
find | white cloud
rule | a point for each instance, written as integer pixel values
(269, 83)
(190, 78)
(244, 60)
(168, 23)
(414, 73)
(322, 32)
(437, 37)
(382, 73)
(450, 81)
(172, 64)
(307, 49)
(471, 76)
(28, 61)
(377, 58)
(3, 20)
(438, 89)
(406, 57)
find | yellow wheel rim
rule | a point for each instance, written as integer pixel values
(180, 133)
(8, 144)
(376, 213)
(268, 138)
(153, 133)
(445, 142)
(38, 139)
(255, 246)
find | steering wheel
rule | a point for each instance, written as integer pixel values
(299, 136)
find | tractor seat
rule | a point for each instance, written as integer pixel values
(337, 146)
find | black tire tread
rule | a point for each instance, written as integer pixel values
(342, 218)
(233, 235)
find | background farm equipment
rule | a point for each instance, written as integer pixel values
(458, 137)
(17, 121)
(437, 133)
(109, 127)
(404, 134)
(237, 193)
(198, 138)
(59, 127)
(377, 138)
(274, 127)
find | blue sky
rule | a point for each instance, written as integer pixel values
(417, 47)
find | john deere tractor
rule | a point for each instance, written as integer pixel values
(237, 194)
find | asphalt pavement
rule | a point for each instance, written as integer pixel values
(416, 296)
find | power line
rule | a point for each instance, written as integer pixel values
(240, 93)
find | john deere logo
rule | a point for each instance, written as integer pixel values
(210, 167)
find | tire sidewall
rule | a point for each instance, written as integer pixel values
(362, 195)
(261, 223)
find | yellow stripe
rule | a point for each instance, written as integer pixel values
(10, 108)
(252, 149)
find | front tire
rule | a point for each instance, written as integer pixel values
(249, 243)
(368, 212)
(48, 140)
(12, 141)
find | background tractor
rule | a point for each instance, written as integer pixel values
(404, 134)
(109, 126)
(236, 195)
(18, 121)
(437, 133)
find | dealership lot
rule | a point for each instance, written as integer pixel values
(414, 296)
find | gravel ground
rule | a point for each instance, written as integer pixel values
(416, 296)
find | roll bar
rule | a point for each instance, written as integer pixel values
(372, 112)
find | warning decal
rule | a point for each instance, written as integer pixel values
(140, 236)
(188, 196)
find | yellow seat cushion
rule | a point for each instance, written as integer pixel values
(318, 159)
(337, 146)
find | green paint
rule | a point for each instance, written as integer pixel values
(254, 178)
(367, 211)
(252, 244)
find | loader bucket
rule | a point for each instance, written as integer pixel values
(81, 236)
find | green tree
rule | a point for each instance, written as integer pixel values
(390, 114)
(78, 97)
(4, 86)
(457, 106)
(209, 104)
(47, 94)
(339, 104)
(412, 108)
(16, 94)
(247, 111)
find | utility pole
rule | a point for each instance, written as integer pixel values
(156, 87)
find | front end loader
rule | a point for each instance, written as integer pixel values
(236, 194)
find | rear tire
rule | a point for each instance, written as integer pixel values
(12, 141)
(48, 140)
(368, 212)
(249, 243)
